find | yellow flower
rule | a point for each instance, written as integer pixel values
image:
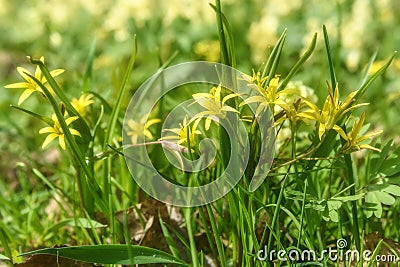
(80, 104)
(140, 128)
(184, 133)
(332, 112)
(215, 108)
(269, 95)
(30, 85)
(56, 131)
(209, 50)
(353, 140)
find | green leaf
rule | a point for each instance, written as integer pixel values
(392, 189)
(376, 163)
(374, 204)
(330, 61)
(226, 39)
(171, 244)
(78, 222)
(333, 207)
(111, 254)
(275, 58)
(382, 193)
(299, 63)
(45, 119)
(275, 53)
(349, 198)
(3, 257)
(385, 198)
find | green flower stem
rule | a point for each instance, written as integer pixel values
(217, 237)
(193, 251)
(277, 208)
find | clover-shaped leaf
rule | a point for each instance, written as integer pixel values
(379, 194)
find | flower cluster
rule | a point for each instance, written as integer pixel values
(30, 85)
(35, 85)
(293, 104)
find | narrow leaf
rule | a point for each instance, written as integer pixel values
(330, 61)
(111, 254)
(45, 119)
(299, 63)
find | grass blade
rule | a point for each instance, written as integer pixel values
(299, 63)
(329, 54)
(228, 49)
(271, 59)
(45, 119)
(225, 59)
(111, 254)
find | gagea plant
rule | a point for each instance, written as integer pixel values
(332, 175)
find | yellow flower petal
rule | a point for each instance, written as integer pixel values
(151, 122)
(148, 134)
(201, 95)
(226, 98)
(22, 72)
(208, 123)
(217, 94)
(46, 130)
(17, 85)
(134, 139)
(25, 95)
(74, 132)
(308, 115)
(38, 74)
(341, 132)
(228, 108)
(71, 119)
(365, 146)
(368, 136)
(61, 141)
(56, 72)
(321, 130)
(252, 99)
(48, 139)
